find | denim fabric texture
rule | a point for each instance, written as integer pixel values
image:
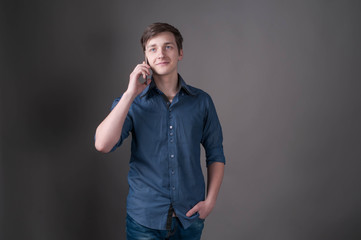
(135, 231)
(165, 167)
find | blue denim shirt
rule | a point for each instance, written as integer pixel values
(165, 163)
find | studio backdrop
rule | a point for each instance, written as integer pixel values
(285, 80)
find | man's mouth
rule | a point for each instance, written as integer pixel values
(162, 63)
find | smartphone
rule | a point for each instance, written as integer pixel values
(142, 80)
(150, 69)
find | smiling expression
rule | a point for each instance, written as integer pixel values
(162, 54)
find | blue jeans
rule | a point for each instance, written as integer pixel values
(136, 231)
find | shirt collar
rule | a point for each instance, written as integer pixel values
(153, 86)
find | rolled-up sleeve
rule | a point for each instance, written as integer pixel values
(127, 126)
(212, 138)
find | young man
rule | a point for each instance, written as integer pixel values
(168, 120)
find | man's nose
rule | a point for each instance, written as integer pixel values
(161, 52)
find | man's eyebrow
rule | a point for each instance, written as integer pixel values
(166, 43)
(153, 45)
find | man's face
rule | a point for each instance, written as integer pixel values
(162, 54)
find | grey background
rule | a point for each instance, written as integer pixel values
(285, 79)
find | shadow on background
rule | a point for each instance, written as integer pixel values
(284, 77)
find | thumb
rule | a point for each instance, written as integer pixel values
(194, 210)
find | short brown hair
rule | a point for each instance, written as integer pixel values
(157, 28)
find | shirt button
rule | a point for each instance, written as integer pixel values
(171, 133)
(172, 172)
(173, 188)
(171, 140)
(171, 127)
(172, 156)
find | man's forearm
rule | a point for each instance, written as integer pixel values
(215, 177)
(109, 131)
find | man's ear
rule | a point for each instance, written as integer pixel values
(180, 57)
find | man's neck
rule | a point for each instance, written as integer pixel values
(168, 84)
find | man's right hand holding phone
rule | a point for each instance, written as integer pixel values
(136, 85)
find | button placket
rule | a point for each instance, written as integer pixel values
(172, 155)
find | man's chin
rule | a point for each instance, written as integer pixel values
(164, 72)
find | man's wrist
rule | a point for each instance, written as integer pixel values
(211, 201)
(130, 96)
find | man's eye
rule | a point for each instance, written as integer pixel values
(152, 49)
(168, 47)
